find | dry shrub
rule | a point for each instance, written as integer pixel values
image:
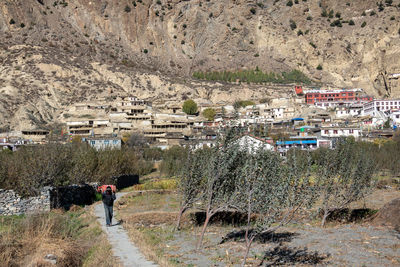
(70, 236)
(27, 242)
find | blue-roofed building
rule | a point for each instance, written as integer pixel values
(301, 142)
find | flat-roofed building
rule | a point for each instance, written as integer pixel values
(372, 108)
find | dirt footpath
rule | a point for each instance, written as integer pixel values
(128, 254)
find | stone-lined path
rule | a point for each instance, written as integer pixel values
(122, 247)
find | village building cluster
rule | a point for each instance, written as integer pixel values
(308, 119)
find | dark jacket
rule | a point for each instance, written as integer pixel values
(108, 199)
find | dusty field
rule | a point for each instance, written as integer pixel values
(150, 219)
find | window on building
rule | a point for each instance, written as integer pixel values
(115, 142)
(351, 131)
(335, 131)
(92, 143)
(106, 142)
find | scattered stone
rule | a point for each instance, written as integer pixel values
(51, 258)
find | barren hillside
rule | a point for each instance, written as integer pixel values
(54, 53)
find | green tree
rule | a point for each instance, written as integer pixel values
(273, 191)
(173, 161)
(343, 175)
(191, 182)
(209, 114)
(386, 125)
(219, 174)
(189, 107)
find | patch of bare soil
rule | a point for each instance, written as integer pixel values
(389, 215)
(153, 218)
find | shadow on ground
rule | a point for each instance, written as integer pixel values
(263, 238)
(282, 255)
(346, 215)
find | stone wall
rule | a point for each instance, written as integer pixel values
(50, 198)
(12, 204)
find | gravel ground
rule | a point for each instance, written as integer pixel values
(345, 245)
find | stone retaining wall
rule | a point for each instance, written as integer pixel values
(12, 204)
(50, 198)
(56, 197)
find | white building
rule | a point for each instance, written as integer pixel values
(348, 111)
(104, 143)
(395, 117)
(329, 132)
(252, 143)
(373, 107)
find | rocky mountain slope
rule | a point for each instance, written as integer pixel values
(57, 52)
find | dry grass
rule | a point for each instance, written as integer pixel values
(150, 243)
(149, 219)
(73, 237)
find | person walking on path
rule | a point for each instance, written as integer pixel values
(108, 197)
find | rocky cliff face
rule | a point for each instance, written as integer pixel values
(57, 52)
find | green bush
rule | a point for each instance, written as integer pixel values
(363, 24)
(351, 22)
(12, 21)
(289, 3)
(319, 67)
(336, 23)
(253, 10)
(127, 9)
(292, 24)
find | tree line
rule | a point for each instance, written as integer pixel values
(270, 189)
(32, 167)
(254, 76)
